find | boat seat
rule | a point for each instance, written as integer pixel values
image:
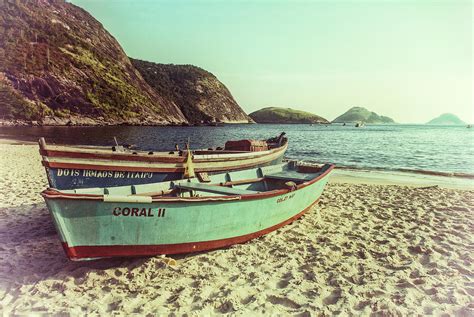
(291, 176)
(203, 177)
(214, 189)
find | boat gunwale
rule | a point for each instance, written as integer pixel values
(145, 157)
(180, 169)
(52, 193)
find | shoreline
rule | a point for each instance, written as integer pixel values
(409, 171)
(419, 180)
(16, 142)
(91, 123)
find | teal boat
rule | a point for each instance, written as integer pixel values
(191, 215)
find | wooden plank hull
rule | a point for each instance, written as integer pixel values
(94, 228)
(68, 168)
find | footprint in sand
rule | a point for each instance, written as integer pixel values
(283, 283)
(173, 298)
(426, 261)
(428, 310)
(248, 300)
(333, 298)
(404, 284)
(433, 271)
(286, 278)
(113, 306)
(431, 291)
(398, 298)
(463, 270)
(309, 276)
(419, 281)
(361, 305)
(226, 307)
(418, 249)
(275, 300)
(196, 284)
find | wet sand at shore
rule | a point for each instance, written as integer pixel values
(365, 247)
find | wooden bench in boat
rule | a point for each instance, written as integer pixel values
(214, 189)
(291, 176)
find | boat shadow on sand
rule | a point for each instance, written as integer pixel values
(30, 250)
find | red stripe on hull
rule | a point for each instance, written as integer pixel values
(151, 169)
(111, 167)
(117, 156)
(85, 252)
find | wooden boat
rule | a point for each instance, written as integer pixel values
(183, 216)
(69, 167)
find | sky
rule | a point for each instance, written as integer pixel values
(409, 60)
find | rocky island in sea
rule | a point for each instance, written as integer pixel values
(60, 66)
(361, 114)
(447, 119)
(285, 115)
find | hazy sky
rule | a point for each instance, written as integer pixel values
(410, 60)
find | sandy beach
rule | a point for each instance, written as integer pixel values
(391, 249)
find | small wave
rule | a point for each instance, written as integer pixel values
(449, 174)
(407, 170)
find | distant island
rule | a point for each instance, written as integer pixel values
(361, 114)
(447, 119)
(285, 115)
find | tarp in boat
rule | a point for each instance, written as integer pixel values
(246, 145)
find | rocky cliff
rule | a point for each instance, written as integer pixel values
(58, 65)
(199, 95)
(360, 114)
(285, 115)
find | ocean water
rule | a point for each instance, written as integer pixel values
(445, 149)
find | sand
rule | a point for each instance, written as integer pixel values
(387, 249)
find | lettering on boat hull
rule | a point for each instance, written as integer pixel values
(285, 198)
(64, 172)
(139, 212)
(66, 178)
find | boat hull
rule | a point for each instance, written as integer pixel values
(70, 170)
(95, 229)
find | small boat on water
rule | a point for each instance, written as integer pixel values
(359, 125)
(188, 215)
(69, 167)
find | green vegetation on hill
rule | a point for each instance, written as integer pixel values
(198, 94)
(447, 119)
(57, 60)
(58, 65)
(285, 115)
(360, 114)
